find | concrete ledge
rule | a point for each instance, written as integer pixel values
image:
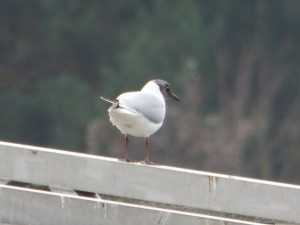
(26, 206)
(220, 193)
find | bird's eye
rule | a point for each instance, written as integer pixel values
(167, 89)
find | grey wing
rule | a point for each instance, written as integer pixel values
(148, 105)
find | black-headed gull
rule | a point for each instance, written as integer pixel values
(141, 113)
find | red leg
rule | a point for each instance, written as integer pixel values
(126, 149)
(147, 151)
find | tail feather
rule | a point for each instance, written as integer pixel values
(107, 100)
(117, 104)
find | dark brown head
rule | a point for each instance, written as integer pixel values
(165, 89)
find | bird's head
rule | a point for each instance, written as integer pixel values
(165, 89)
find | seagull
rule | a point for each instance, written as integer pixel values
(141, 113)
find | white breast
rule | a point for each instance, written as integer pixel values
(132, 123)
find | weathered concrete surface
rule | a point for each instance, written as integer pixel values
(163, 184)
(25, 206)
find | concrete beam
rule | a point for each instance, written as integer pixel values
(26, 206)
(196, 189)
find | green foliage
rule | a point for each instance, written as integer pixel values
(52, 113)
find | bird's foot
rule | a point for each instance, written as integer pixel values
(125, 160)
(147, 162)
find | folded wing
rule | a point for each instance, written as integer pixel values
(149, 105)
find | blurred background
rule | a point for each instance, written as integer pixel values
(235, 64)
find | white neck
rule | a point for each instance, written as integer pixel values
(152, 88)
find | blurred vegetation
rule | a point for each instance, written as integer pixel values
(236, 65)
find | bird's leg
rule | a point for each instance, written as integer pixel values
(147, 152)
(126, 149)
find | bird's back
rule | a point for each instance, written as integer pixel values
(137, 113)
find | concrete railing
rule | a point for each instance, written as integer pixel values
(47, 186)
